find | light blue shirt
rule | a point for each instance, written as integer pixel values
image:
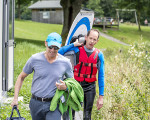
(47, 74)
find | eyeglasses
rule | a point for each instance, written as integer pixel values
(55, 47)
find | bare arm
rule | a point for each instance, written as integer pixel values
(18, 85)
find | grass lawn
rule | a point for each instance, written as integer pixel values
(33, 31)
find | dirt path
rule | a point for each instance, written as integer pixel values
(112, 39)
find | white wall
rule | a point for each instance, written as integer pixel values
(1, 13)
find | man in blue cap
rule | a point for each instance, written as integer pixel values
(49, 67)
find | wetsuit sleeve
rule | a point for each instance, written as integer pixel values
(101, 73)
(66, 48)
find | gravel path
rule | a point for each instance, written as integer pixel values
(113, 39)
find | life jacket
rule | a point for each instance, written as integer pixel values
(86, 69)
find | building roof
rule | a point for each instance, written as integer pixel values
(46, 4)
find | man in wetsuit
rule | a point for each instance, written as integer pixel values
(88, 61)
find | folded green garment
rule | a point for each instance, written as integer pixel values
(73, 97)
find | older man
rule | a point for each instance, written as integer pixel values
(48, 67)
(89, 61)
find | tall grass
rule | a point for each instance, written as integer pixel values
(127, 85)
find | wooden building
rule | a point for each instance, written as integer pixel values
(47, 11)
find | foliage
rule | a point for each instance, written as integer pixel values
(128, 16)
(108, 8)
(139, 5)
(26, 13)
(95, 6)
(21, 7)
(140, 54)
(127, 84)
(101, 7)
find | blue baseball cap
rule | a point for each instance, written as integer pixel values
(54, 39)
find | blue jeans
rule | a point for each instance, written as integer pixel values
(41, 111)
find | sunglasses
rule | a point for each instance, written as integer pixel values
(55, 47)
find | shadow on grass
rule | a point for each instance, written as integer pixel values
(36, 42)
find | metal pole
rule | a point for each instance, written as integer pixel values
(3, 45)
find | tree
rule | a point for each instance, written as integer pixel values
(70, 8)
(19, 4)
(95, 6)
(139, 5)
(108, 8)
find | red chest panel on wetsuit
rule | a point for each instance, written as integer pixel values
(86, 69)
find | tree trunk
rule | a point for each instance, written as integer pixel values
(139, 20)
(19, 13)
(70, 10)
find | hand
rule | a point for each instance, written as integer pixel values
(76, 43)
(100, 102)
(61, 85)
(14, 102)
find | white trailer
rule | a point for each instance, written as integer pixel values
(6, 47)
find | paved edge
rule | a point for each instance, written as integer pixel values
(113, 39)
